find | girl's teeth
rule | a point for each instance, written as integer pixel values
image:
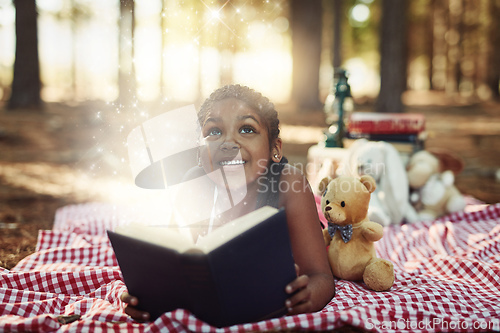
(233, 162)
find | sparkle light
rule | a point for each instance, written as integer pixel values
(215, 15)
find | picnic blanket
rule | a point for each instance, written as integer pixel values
(447, 279)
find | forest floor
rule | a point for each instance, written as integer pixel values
(70, 154)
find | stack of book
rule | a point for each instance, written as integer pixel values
(405, 131)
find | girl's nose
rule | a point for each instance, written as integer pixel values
(229, 145)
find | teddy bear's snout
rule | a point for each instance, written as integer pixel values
(333, 212)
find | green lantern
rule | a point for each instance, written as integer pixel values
(337, 104)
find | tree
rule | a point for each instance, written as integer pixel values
(337, 35)
(429, 50)
(493, 79)
(163, 22)
(306, 27)
(392, 56)
(26, 83)
(126, 75)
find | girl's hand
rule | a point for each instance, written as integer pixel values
(300, 302)
(130, 309)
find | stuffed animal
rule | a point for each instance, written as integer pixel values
(350, 234)
(431, 176)
(389, 203)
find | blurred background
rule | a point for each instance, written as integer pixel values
(77, 75)
(173, 50)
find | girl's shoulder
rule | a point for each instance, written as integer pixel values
(293, 182)
(296, 195)
(291, 172)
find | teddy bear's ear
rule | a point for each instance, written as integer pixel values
(369, 183)
(323, 184)
(448, 160)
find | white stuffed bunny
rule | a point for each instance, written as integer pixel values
(389, 204)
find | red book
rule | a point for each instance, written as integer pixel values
(385, 123)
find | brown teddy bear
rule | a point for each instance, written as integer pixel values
(350, 234)
(431, 176)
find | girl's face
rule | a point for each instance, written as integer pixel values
(236, 142)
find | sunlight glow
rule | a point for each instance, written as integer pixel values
(7, 42)
(364, 81)
(215, 14)
(360, 12)
(181, 70)
(148, 61)
(7, 14)
(50, 5)
(268, 70)
(206, 46)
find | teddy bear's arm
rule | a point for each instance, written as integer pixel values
(372, 231)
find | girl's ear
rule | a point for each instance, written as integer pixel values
(276, 152)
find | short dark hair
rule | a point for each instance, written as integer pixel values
(261, 104)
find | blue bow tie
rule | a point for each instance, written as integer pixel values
(345, 231)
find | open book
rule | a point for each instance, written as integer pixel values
(236, 274)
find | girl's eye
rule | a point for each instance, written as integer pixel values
(214, 132)
(247, 130)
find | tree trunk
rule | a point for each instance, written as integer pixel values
(337, 34)
(74, 33)
(26, 83)
(493, 79)
(392, 56)
(454, 40)
(429, 35)
(126, 75)
(440, 47)
(306, 27)
(163, 21)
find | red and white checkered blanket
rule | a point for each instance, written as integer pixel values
(447, 279)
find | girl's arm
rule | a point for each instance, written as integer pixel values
(315, 285)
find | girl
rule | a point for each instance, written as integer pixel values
(241, 134)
